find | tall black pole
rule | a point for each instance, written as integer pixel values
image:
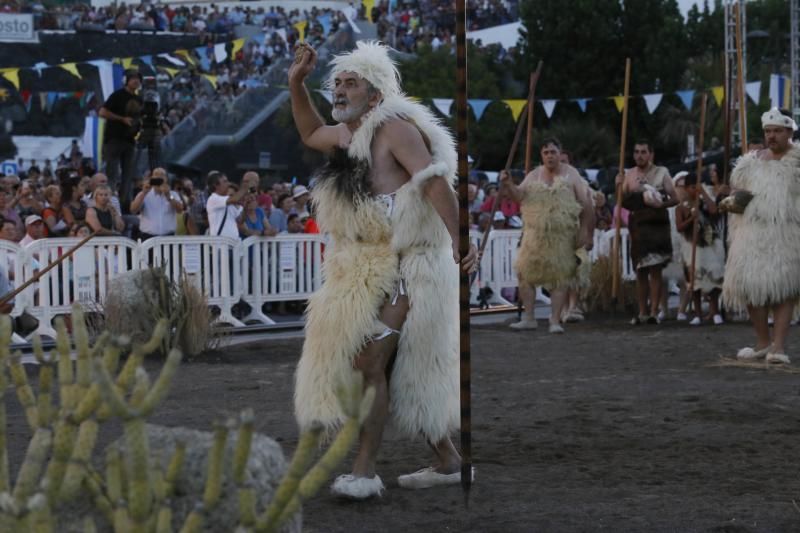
(463, 183)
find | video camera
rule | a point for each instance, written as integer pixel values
(150, 110)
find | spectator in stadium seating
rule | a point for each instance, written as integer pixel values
(25, 201)
(55, 225)
(34, 229)
(278, 219)
(73, 208)
(253, 221)
(103, 217)
(157, 206)
(8, 231)
(10, 214)
(224, 208)
(301, 198)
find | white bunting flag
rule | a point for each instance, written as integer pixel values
(220, 54)
(549, 106)
(652, 101)
(753, 90)
(443, 105)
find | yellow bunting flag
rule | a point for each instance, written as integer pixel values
(238, 44)
(127, 62)
(12, 75)
(186, 55)
(369, 4)
(516, 107)
(619, 101)
(301, 29)
(72, 68)
(171, 71)
(212, 79)
(719, 94)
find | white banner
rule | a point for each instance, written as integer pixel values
(17, 27)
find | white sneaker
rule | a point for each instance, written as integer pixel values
(524, 324)
(661, 316)
(681, 317)
(429, 477)
(778, 358)
(574, 316)
(357, 488)
(750, 353)
(695, 321)
(556, 328)
(718, 320)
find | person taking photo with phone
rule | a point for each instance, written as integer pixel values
(157, 206)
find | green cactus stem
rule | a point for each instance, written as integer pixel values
(94, 484)
(40, 518)
(214, 475)
(63, 440)
(24, 391)
(28, 477)
(303, 455)
(164, 522)
(5, 342)
(194, 522)
(114, 485)
(44, 403)
(243, 442)
(122, 521)
(137, 470)
(247, 507)
(81, 455)
(160, 388)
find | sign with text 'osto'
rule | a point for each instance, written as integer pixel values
(17, 27)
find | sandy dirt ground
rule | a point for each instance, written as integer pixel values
(606, 428)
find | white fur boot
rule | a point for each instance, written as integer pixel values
(357, 488)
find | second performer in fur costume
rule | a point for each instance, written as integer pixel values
(763, 267)
(389, 304)
(557, 216)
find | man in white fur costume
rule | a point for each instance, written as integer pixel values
(558, 218)
(763, 267)
(389, 304)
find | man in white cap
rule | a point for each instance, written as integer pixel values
(301, 197)
(34, 229)
(763, 267)
(389, 305)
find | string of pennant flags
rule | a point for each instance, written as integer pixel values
(652, 101)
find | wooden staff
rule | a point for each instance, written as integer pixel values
(534, 79)
(464, 246)
(740, 80)
(726, 98)
(616, 257)
(696, 207)
(9, 296)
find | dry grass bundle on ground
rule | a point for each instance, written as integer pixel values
(598, 297)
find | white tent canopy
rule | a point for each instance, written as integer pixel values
(506, 35)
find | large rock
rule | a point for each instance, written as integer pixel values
(265, 468)
(130, 302)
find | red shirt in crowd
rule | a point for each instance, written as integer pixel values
(508, 207)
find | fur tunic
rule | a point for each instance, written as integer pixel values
(369, 253)
(763, 264)
(547, 251)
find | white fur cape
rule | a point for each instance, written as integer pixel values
(763, 265)
(368, 255)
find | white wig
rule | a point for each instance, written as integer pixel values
(370, 60)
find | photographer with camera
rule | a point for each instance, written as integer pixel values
(224, 209)
(157, 206)
(122, 112)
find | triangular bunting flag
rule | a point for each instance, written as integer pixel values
(72, 68)
(652, 101)
(582, 103)
(549, 106)
(42, 101)
(327, 95)
(52, 98)
(516, 107)
(238, 44)
(12, 75)
(478, 106)
(753, 90)
(212, 79)
(174, 60)
(127, 62)
(220, 54)
(147, 59)
(619, 101)
(443, 105)
(39, 67)
(686, 97)
(171, 71)
(718, 93)
(186, 55)
(301, 29)
(282, 33)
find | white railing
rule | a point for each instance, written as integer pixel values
(258, 270)
(282, 268)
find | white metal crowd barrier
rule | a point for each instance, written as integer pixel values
(258, 270)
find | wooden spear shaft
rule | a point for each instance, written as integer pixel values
(534, 79)
(726, 98)
(696, 207)
(616, 257)
(464, 245)
(9, 296)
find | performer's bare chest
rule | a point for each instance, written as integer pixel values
(387, 174)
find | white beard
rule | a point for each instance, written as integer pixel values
(349, 113)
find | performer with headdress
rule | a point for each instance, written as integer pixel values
(389, 304)
(763, 267)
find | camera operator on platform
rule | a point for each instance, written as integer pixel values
(122, 112)
(157, 206)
